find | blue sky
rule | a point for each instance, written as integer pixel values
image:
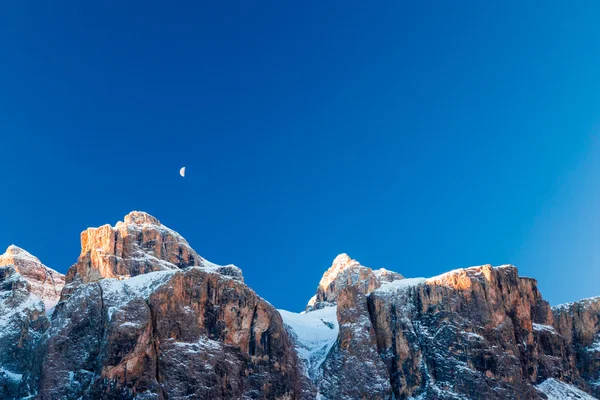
(416, 137)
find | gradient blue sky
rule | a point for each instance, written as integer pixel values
(416, 137)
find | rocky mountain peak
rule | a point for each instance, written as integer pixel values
(15, 252)
(140, 218)
(345, 271)
(137, 245)
(44, 282)
(340, 263)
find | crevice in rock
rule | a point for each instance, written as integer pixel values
(154, 333)
(252, 341)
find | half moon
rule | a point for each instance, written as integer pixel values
(182, 172)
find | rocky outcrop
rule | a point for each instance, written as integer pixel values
(579, 324)
(168, 334)
(346, 272)
(44, 282)
(353, 368)
(335, 338)
(145, 317)
(22, 323)
(137, 245)
(481, 333)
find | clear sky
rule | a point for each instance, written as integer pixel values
(418, 137)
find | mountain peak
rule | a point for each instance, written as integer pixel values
(44, 282)
(340, 263)
(137, 245)
(343, 260)
(346, 271)
(13, 253)
(140, 218)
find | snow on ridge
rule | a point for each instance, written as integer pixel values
(398, 285)
(557, 390)
(476, 269)
(314, 334)
(121, 291)
(566, 306)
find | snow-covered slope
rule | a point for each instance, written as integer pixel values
(557, 390)
(44, 282)
(314, 333)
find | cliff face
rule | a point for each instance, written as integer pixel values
(482, 333)
(579, 324)
(353, 369)
(166, 334)
(143, 316)
(22, 323)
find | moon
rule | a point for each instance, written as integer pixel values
(182, 172)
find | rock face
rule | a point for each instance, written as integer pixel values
(579, 324)
(346, 272)
(44, 282)
(28, 289)
(22, 323)
(353, 368)
(143, 316)
(138, 245)
(335, 338)
(168, 334)
(480, 333)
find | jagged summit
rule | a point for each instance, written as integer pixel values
(345, 271)
(44, 282)
(340, 263)
(15, 252)
(137, 245)
(140, 218)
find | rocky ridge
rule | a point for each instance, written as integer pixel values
(143, 316)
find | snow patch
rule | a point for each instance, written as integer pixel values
(543, 328)
(11, 375)
(398, 285)
(314, 332)
(594, 347)
(557, 390)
